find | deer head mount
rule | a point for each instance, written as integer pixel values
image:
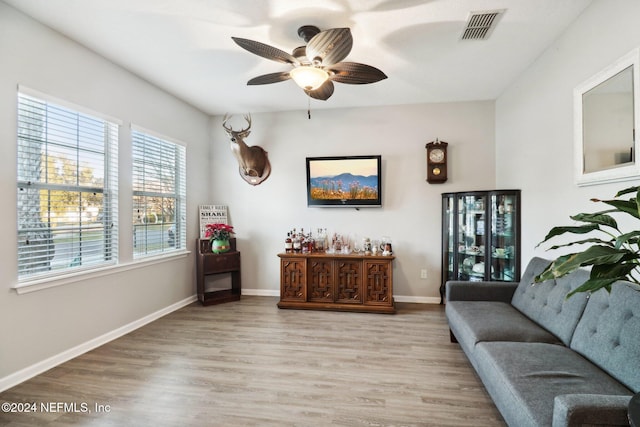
(254, 166)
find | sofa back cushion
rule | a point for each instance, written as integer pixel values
(545, 302)
(608, 333)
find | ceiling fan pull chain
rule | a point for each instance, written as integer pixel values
(309, 107)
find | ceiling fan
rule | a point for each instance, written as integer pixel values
(317, 65)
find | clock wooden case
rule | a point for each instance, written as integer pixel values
(436, 162)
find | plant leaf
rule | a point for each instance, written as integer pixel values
(595, 255)
(627, 191)
(618, 271)
(580, 229)
(592, 285)
(627, 206)
(604, 275)
(580, 242)
(630, 237)
(596, 218)
(550, 271)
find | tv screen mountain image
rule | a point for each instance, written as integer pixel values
(344, 178)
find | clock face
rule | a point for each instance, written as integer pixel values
(436, 155)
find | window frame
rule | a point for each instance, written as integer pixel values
(140, 135)
(32, 179)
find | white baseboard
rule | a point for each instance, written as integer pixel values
(261, 292)
(53, 361)
(418, 300)
(398, 298)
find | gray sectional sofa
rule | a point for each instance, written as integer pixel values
(546, 360)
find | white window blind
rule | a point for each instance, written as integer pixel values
(67, 189)
(159, 193)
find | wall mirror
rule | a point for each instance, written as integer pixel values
(606, 116)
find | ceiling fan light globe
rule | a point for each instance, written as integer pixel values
(309, 78)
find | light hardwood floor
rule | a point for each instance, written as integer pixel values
(247, 363)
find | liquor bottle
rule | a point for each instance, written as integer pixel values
(326, 239)
(303, 241)
(310, 242)
(296, 243)
(288, 244)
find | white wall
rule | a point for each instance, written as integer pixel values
(43, 324)
(534, 120)
(411, 212)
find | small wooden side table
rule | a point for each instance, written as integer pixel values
(208, 263)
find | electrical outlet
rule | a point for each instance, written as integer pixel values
(423, 273)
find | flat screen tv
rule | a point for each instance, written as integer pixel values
(345, 181)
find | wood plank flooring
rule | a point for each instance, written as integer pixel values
(247, 363)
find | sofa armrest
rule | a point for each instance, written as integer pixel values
(590, 409)
(480, 291)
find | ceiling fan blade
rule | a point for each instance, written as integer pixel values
(266, 79)
(330, 46)
(355, 73)
(323, 92)
(266, 51)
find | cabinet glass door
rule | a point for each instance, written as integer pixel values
(472, 230)
(504, 233)
(449, 245)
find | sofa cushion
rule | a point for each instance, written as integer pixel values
(476, 321)
(609, 332)
(590, 410)
(545, 302)
(524, 378)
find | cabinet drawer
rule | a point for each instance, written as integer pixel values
(221, 262)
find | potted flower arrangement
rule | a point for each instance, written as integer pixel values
(219, 235)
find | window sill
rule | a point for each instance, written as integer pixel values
(51, 282)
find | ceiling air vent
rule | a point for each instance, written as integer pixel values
(480, 24)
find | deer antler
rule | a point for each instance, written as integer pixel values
(247, 117)
(226, 118)
(224, 122)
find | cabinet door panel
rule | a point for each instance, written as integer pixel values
(348, 276)
(378, 282)
(320, 278)
(472, 238)
(293, 279)
(449, 244)
(504, 233)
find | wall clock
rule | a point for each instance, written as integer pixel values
(436, 162)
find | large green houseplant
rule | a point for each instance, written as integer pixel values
(613, 254)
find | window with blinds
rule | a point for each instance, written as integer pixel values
(67, 189)
(159, 195)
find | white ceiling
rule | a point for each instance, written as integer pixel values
(185, 46)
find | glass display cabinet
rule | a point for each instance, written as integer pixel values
(480, 236)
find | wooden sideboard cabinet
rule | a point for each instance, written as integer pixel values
(336, 282)
(208, 263)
